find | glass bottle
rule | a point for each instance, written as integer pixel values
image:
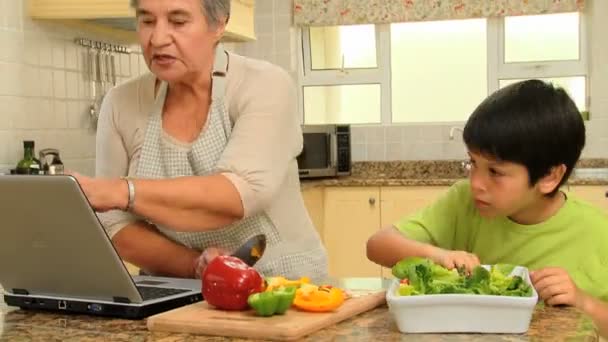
(28, 165)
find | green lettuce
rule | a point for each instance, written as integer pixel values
(425, 277)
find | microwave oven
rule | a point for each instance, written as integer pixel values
(326, 151)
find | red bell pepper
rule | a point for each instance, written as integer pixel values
(227, 282)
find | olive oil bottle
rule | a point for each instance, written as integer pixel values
(28, 165)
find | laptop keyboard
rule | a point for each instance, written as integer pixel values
(148, 292)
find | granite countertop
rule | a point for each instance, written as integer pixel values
(548, 323)
(427, 173)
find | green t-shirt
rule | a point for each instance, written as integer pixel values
(575, 238)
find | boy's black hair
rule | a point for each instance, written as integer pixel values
(531, 123)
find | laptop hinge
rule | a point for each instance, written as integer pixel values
(21, 292)
(121, 300)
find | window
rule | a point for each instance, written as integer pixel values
(430, 63)
(429, 72)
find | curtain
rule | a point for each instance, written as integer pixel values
(347, 12)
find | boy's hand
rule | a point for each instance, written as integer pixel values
(555, 287)
(454, 259)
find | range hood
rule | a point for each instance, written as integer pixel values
(117, 14)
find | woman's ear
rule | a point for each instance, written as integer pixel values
(549, 182)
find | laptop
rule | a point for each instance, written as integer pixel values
(55, 255)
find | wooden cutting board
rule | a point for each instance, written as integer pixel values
(200, 318)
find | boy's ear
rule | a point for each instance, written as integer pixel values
(549, 182)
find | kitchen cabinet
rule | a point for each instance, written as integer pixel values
(400, 201)
(352, 215)
(347, 216)
(397, 202)
(314, 200)
(118, 14)
(593, 194)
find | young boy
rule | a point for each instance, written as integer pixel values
(523, 142)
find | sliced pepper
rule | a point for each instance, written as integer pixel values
(269, 303)
(318, 299)
(277, 282)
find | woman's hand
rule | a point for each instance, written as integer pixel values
(555, 287)
(104, 194)
(205, 258)
(455, 259)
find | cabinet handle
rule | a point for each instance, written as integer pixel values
(372, 201)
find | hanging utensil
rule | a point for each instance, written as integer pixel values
(113, 68)
(93, 78)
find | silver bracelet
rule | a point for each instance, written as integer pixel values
(131, 201)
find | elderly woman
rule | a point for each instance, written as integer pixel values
(201, 153)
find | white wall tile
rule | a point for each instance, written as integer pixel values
(30, 76)
(125, 65)
(45, 51)
(12, 46)
(358, 135)
(13, 13)
(31, 53)
(58, 49)
(432, 134)
(394, 151)
(264, 24)
(60, 119)
(11, 81)
(72, 84)
(376, 152)
(59, 89)
(264, 7)
(359, 152)
(375, 135)
(12, 107)
(394, 134)
(71, 57)
(78, 115)
(284, 7)
(46, 82)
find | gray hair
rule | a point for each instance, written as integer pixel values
(214, 10)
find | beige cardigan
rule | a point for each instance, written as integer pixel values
(260, 158)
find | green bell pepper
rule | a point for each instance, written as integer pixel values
(269, 303)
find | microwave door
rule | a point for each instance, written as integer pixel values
(316, 157)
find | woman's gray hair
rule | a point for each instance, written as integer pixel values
(214, 10)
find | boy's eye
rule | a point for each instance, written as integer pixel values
(495, 172)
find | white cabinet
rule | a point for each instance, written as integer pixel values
(240, 26)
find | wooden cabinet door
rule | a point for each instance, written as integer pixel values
(593, 194)
(314, 200)
(352, 215)
(400, 201)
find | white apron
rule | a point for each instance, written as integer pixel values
(163, 158)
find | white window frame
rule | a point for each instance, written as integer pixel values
(497, 69)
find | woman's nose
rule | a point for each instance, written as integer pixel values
(160, 35)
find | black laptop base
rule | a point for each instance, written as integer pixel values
(116, 310)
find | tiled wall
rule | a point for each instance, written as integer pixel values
(276, 37)
(44, 95)
(277, 40)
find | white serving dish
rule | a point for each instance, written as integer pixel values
(460, 313)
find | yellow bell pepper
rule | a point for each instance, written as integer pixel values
(318, 298)
(273, 283)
